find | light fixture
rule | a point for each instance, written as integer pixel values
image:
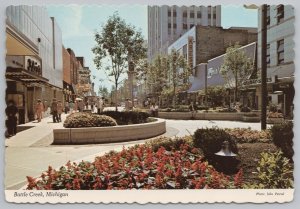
(225, 150)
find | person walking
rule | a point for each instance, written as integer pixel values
(99, 105)
(39, 108)
(54, 111)
(80, 105)
(11, 121)
(67, 108)
(59, 110)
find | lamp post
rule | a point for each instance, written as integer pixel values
(264, 92)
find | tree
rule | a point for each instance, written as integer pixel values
(216, 95)
(237, 67)
(103, 91)
(120, 43)
(179, 72)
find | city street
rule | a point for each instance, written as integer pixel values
(30, 151)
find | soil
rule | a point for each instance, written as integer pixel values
(249, 156)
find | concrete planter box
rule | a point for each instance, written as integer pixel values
(200, 116)
(94, 135)
(274, 120)
(251, 118)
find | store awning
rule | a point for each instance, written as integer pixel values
(22, 75)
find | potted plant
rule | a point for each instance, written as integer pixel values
(275, 117)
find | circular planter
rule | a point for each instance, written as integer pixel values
(95, 135)
(274, 120)
(251, 118)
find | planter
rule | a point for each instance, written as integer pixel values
(275, 120)
(251, 118)
(94, 135)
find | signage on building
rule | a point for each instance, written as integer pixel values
(33, 65)
(15, 61)
(190, 51)
(212, 71)
(255, 81)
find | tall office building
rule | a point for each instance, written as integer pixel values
(167, 23)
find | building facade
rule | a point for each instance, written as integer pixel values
(280, 55)
(167, 23)
(34, 59)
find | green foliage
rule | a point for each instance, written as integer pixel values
(210, 140)
(83, 119)
(236, 68)
(246, 135)
(282, 135)
(131, 117)
(216, 95)
(274, 172)
(168, 143)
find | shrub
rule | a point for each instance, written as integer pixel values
(282, 135)
(131, 117)
(246, 135)
(245, 109)
(210, 141)
(274, 172)
(201, 108)
(275, 115)
(84, 119)
(272, 107)
(137, 168)
(169, 143)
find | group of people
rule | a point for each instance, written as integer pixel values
(56, 109)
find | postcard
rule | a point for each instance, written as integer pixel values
(149, 104)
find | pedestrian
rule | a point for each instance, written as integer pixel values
(54, 111)
(152, 110)
(99, 105)
(11, 121)
(71, 105)
(67, 108)
(59, 110)
(130, 104)
(127, 107)
(39, 108)
(76, 106)
(102, 104)
(92, 106)
(80, 105)
(156, 110)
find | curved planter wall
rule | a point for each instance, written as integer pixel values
(94, 135)
(202, 116)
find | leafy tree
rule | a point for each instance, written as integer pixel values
(103, 91)
(120, 43)
(237, 67)
(216, 95)
(179, 72)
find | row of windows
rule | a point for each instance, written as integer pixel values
(184, 26)
(192, 14)
(280, 53)
(279, 16)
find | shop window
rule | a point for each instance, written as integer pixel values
(280, 51)
(280, 13)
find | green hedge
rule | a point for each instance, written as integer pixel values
(84, 119)
(130, 117)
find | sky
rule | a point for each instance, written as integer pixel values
(79, 23)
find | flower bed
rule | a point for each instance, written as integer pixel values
(246, 135)
(138, 167)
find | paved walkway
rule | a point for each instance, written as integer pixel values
(30, 152)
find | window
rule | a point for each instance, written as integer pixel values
(199, 14)
(169, 25)
(268, 55)
(174, 25)
(184, 15)
(174, 13)
(209, 15)
(268, 15)
(192, 25)
(280, 13)
(214, 12)
(280, 51)
(184, 26)
(169, 12)
(192, 14)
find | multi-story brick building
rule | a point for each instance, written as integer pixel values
(167, 23)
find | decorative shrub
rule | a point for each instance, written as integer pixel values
(168, 143)
(274, 172)
(210, 140)
(137, 168)
(272, 107)
(245, 109)
(84, 119)
(275, 115)
(130, 117)
(246, 135)
(282, 135)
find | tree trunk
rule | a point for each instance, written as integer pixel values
(236, 87)
(116, 99)
(174, 97)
